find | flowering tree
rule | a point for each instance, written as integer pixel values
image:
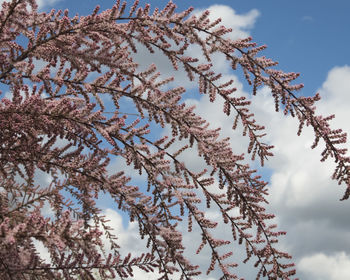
(60, 71)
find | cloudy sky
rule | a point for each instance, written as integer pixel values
(310, 37)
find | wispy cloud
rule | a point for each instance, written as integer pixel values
(307, 18)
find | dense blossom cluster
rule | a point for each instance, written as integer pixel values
(57, 101)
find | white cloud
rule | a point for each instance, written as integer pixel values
(213, 113)
(41, 3)
(335, 93)
(302, 193)
(129, 241)
(294, 161)
(127, 237)
(323, 267)
(42, 250)
(44, 3)
(240, 24)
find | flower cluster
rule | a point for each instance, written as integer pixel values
(56, 122)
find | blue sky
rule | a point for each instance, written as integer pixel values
(312, 38)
